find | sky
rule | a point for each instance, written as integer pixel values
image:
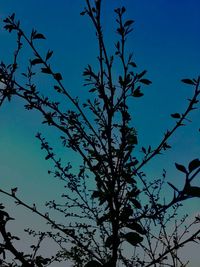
(165, 42)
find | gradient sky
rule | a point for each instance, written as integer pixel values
(165, 41)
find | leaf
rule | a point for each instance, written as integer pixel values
(96, 194)
(175, 115)
(145, 81)
(92, 90)
(193, 191)
(136, 227)
(49, 54)
(46, 70)
(38, 36)
(120, 30)
(3, 213)
(133, 193)
(188, 81)
(48, 156)
(9, 27)
(1, 206)
(181, 168)
(83, 13)
(123, 9)
(133, 238)
(58, 89)
(126, 213)
(93, 263)
(13, 191)
(137, 93)
(103, 219)
(109, 241)
(194, 164)
(132, 64)
(36, 61)
(144, 150)
(58, 76)
(102, 200)
(128, 23)
(140, 75)
(134, 162)
(117, 45)
(12, 17)
(133, 139)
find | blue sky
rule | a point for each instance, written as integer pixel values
(165, 41)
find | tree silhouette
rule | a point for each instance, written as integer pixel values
(110, 204)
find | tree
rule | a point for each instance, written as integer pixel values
(110, 204)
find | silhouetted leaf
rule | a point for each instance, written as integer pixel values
(49, 54)
(46, 70)
(194, 164)
(9, 27)
(58, 76)
(13, 191)
(49, 156)
(83, 13)
(102, 199)
(140, 75)
(132, 64)
(1, 206)
(126, 213)
(181, 168)
(133, 139)
(144, 150)
(133, 238)
(137, 93)
(117, 45)
(175, 115)
(188, 81)
(109, 241)
(96, 194)
(3, 214)
(136, 227)
(38, 36)
(57, 88)
(103, 219)
(166, 146)
(128, 22)
(12, 17)
(193, 191)
(134, 162)
(36, 61)
(145, 81)
(92, 90)
(133, 193)
(123, 9)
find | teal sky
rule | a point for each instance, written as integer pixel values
(165, 41)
